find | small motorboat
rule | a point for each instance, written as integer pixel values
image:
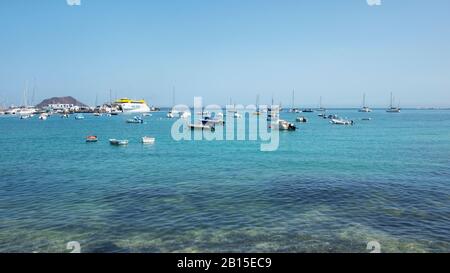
(284, 125)
(146, 115)
(118, 142)
(308, 110)
(43, 116)
(214, 121)
(201, 126)
(170, 115)
(135, 120)
(79, 117)
(341, 122)
(366, 119)
(25, 117)
(97, 114)
(65, 116)
(301, 119)
(185, 115)
(91, 139)
(148, 140)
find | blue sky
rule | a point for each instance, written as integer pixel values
(233, 48)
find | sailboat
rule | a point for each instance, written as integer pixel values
(171, 113)
(391, 108)
(257, 112)
(26, 111)
(232, 110)
(321, 109)
(364, 109)
(293, 109)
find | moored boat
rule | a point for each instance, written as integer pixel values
(301, 119)
(118, 142)
(148, 140)
(135, 120)
(91, 139)
(43, 116)
(341, 122)
(201, 126)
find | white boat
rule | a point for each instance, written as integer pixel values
(341, 122)
(284, 125)
(65, 116)
(391, 108)
(200, 126)
(237, 115)
(132, 106)
(302, 119)
(364, 108)
(321, 109)
(148, 140)
(118, 142)
(43, 116)
(135, 120)
(185, 115)
(26, 111)
(25, 116)
(97, 114)
(12, 111)
(204, 114)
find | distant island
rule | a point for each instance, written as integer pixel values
(61, 101)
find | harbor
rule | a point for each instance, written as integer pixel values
(330, 188)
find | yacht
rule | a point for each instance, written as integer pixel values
(132, 106)
(321, 109)
(365, 109)
(391, 108)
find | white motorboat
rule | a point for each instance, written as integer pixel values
(283, 125)
(185, 115)
(136, 119)
(341, 122)
(43, 116)
(148, 140)
(118, 142)
(201, 126)
(302, 119)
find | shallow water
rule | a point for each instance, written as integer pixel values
(326, 189)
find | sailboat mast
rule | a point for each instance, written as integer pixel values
(364, 100)
(391, 100)
(293, 98)
(25, 102)
(173, 96)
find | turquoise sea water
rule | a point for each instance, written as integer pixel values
(326, 189)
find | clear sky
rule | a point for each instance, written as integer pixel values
(219, 49)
